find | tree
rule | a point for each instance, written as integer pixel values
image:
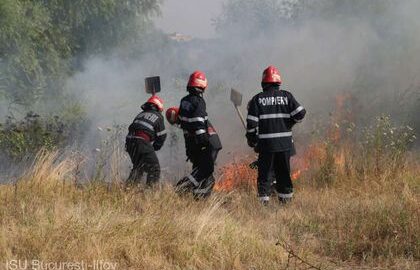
(42, 41)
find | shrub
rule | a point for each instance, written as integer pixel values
(384, 146)
(25, 137)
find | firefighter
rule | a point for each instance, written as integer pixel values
(172, 115)
(271, 115)
(146, 135)
(202, 143)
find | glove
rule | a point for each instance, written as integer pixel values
(157, 146)
(251, 139)
(252, 143)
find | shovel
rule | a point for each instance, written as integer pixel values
(152, 85)
(236, 98)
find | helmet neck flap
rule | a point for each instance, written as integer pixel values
(270, 86)
(195, 90)
(149, 107)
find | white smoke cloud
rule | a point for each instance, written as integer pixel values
(189, 17)
(319, 56)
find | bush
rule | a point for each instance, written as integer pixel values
(384, 146)
(25, 137)
(378, 152)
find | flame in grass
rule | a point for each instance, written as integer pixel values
(296, 174)
(236, 175)
(239, 175)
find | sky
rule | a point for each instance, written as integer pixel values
(189, 17)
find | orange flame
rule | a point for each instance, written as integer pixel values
(296, 174)
(240, 175)
(236, 175)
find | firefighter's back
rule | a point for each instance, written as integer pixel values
(273, 108)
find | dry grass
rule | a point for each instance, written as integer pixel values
(350, 224)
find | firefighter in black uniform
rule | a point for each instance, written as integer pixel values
(172, 115)
(271, 115)
(202, 143)
(146, 135)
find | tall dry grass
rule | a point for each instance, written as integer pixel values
(348, 223)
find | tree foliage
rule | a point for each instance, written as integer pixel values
(25, 137)
(42, 41)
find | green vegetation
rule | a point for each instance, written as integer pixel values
(42, 42)
(21, 139)
(381, 150)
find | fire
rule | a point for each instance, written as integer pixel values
(296, 174)
(240, 175)
(236, 175)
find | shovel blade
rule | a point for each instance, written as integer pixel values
(152, 85)
(236, 97)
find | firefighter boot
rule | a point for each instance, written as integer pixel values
(205, 188)
(285, 198)
(185, 185)
(264, 200)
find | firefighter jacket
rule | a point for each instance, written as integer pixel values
(271, 116)
(192, 147)
(193, 118)
(149, 126)
(214, 139)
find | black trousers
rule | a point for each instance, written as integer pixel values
(144, 160)
(279, 162)
(202, 162)
(201, 181)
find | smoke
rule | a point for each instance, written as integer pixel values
(322, 48)
(201, 12)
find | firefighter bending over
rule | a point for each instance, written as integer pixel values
(146, 135)
(271, 115)
(202, 143)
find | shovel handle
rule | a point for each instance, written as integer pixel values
(240, 116)
(252, 165)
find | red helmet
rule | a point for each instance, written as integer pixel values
(172, 115)
(271, 75)
(198, 79)
(157, 101)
